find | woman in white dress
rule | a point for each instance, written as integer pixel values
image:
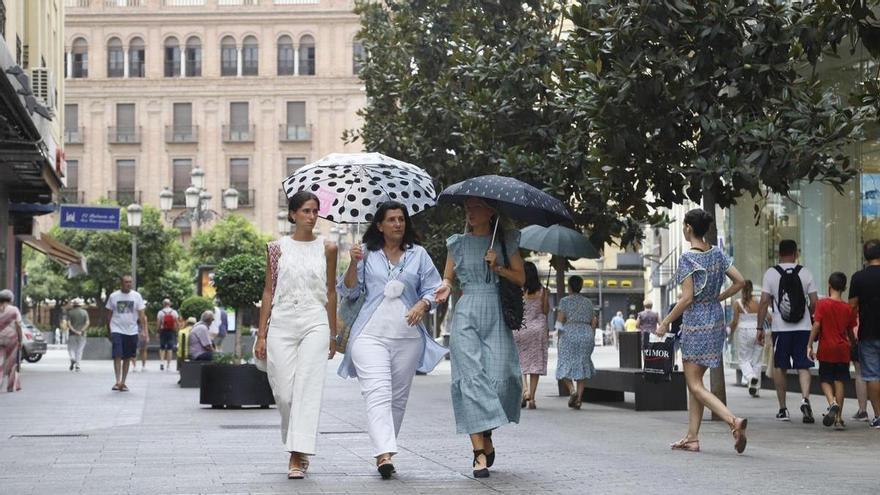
(297, 327)
(743, 331)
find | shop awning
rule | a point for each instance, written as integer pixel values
(58, 252)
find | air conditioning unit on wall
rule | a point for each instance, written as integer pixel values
(43, 86)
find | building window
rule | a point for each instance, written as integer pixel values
(172, 57)
(125, 182)
(136, 58)
(357, 57)
(80, 51)
(239, 175)
(285, 56)
(180, 179)
(296, 122)
(2, 19)
(307, 56)
(228, 57)
(72, 188)
(182, 130)
(250, 57)
(193, 57)
(72, 134)
(115, 58)
(125, 123)
(294, 163)
(239, 122)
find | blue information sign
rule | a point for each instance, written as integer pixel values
(90, 217)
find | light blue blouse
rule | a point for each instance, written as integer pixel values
(421, 280)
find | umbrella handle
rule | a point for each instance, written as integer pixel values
(494, 232)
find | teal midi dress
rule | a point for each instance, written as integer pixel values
(486, 378)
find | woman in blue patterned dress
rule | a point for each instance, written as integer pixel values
(576, 321)
(486, 386)
(701, 274)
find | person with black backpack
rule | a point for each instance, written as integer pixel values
(792, 291)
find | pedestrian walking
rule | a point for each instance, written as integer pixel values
(618, 324)
(792, 291)
(388, 341)
(861, 385)
(744, 331)
(167, 321)
(299, 295)
(531, 338)
(486, 377)
(220, 326)
(701, 272)
(143, 343)
(10, 342)
(576, 321)
(864, 297)
(78, 319)
(201, 348)
(631, 324)
(127, 320)
(647, 321)
(833, 324)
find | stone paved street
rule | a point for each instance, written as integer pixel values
(156, 440)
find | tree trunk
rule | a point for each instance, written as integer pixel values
(716, 375)
(559, 266)
(239, 318)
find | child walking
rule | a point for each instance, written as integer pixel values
(833, 324)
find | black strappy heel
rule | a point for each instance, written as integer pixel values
(490, 458)
(480, 473)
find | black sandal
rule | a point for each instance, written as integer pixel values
(490, 458)
(480, 473)
(385, 468)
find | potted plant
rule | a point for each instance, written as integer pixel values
(228, 381)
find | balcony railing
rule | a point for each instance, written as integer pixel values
(291, 132)
(246, 197)
(282, 198)
(238, 133)
(124, 135)
(125, 3)
(229, 3)
(181, 134)
(74, 136)
(124, 198)
(297, 2)
(72, 195)
(183, 3)
(73, 4)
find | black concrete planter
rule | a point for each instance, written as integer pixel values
(234, 385)
(191, 373)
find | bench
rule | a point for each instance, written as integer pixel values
(190, 373)
(609, 385)
(793, 385)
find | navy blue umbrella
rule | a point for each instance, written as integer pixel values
(512, 197)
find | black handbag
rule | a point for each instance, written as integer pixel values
(511, 296)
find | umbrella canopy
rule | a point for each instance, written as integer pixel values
(351, 185)
(512, 197)
(558, 240)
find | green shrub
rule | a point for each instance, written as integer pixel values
(194, 306)
(96, 332)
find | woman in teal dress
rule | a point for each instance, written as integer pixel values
(576, 322)
(486, 386)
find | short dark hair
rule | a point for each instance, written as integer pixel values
(575, 283)
(297, 200)
(788, 247)
(871, 250)
(837, 281)
(375, 240)
(700, 220)
(533, 283)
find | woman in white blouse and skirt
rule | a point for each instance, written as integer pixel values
(299, 296)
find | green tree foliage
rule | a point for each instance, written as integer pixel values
(194, 306)
(239, 280)
(230, 236)
(175, 285)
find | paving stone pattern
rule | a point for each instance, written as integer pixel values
(156, 439)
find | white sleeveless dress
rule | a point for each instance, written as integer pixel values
(748, 351)
(298, 341)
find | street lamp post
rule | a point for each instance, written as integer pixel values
(197, 200)
(135, 213)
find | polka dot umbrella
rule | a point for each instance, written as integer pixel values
(513, 197)
(350, 186)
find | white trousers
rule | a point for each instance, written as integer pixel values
(296, 362)
(385, 369)
(750, 354)
(75, 346)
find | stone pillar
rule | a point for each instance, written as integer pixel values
(69, 64)
(183, 62)
(125, 62)
(239, 61)
(296, 59)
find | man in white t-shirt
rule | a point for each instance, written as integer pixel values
(790, 338)
(125, 312)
